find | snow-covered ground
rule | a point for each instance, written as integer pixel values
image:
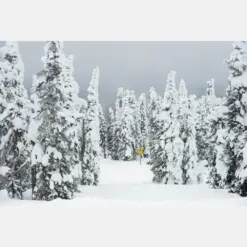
(126, 209)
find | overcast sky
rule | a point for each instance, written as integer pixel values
(138, 65)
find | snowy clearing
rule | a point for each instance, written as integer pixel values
(126, 209)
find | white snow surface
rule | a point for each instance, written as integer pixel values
(127, 209)
(3, 171)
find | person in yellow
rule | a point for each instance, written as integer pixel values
(140, 150)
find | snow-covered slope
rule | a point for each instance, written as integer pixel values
(126, 209)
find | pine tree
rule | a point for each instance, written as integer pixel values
(14, 121)
(73, 106)
(54, 155)
(126, 138)
(152, 113)
(201, 128)
(167, 151)
(187, 134)
(82, 137)
(143, 125)
(217, 168)
(154, 108)
(236, 120)
(110, 132)
(135, 131)
(205, 145)
(119, 110)
(103, 133)
(90, 166)
(209, 128)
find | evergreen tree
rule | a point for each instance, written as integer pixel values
(82, 137)
(152, 113)
(236, 120)
(154, 109)
(187, 134)
(14, 121)
(53, 155)
(119, 109)
(136, 128)
(201, 128)
(90, 166)
(205, 146)
(73, 106)
(143, 125)
(209, 128)
(198, 169)
(167, 152)
(217, 168)
(103, 133)
(126, 138)
(110, 132)
(135, 131)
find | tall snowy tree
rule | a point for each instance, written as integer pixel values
(154, 107)
(90, 166)
(110, 132)
(118, 117)
(201, 128)
(143, 125)
(218, 132)
(103, 132)
(54, 153)
(135, 128)
(209, 128)
(187, 134)
(152, 113)
(205, 108)
(236, 120)
(126, 137)
(167, 151)
(14, 121)
(74, 105)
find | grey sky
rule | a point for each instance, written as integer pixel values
(138, 65)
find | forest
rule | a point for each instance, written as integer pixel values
(53, 140)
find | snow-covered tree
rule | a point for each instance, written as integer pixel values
(152, 113)
(14, 121)
(143, 125)
(90, 166)
(117, 128)
(167, 151)
(186, 111)
(54, 154)
(236, 120)
(154, 108)
(74, 105)
(103, 132)
(135, 128)
(201, 128)
(110, 132)
(126, 137)
(217, 168)
(204, 110)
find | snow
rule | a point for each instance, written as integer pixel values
(126, 209)
(37, 153)
(4, 170)
(55, 152)
(239, 81)
(56, 177)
